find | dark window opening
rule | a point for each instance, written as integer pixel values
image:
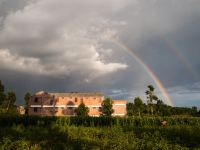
(76, 99)
(100, 109)
(35, 109)
(36, 100)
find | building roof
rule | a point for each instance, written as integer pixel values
(120, 101)
(73, 94)
(40, 93)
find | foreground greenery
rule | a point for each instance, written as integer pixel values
(143, 128)
(24, 132)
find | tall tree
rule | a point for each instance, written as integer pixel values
(27, 97)
(82, 110)
(130, 109)
(1, 87)
(162, 109)
(139, 105)
(2, 94)
(11, 98)
(151, 97)
(107, 107)
(159, 107)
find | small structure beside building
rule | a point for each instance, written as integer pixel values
(65, 104)
(21, 110)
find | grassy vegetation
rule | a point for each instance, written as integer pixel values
(24, 132)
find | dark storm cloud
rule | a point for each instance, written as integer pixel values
(155, 29)
(67, 46)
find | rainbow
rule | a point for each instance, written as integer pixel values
(148, 70)
(176, 51)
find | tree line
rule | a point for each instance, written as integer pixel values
(154, 105)
(157, 107)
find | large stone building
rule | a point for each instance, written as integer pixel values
(65, 104)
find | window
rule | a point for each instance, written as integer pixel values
(35, 109)
(100, 109)
(76, 99)
(36, 100)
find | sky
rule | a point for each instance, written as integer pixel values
(89, 46)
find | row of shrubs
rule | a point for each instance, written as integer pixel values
(96, 121)
(56, 137)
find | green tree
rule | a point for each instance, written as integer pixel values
(159, 107)
(2, 94)
(139, 105)
(194, 110)
(130, 109)
(107, 107)
(82, 110)
(162, 109)
(1, 87)
(151, 97)
(11, 98)
(27, 97)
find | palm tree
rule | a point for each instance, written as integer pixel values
(151, 97)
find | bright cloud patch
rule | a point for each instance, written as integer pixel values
(54, 40)
(34, 65)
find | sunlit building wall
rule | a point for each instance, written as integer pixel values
(65, 104)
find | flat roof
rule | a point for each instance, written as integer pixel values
(119, 101)
(73, 94)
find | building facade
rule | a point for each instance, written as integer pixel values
(65, 104)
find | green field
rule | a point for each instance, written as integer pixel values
(23, 132)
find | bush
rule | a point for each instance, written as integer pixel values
(32, 132)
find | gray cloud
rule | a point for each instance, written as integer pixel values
(46, 35)
(63, 45)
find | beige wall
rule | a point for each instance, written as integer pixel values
(49, 105)
(119, 107)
